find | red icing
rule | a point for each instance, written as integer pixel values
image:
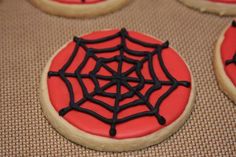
(224, 1)
(228, 48)
(78, 1)
(171, 108)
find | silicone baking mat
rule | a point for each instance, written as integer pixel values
(28, 37)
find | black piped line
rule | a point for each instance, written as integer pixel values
(231, 61)
(234, 23)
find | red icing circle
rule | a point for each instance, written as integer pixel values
(224, 1)
(171, 108)
(228, 49)
(79, 1)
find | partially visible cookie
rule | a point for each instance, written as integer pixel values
(225, 61)
(117, 90)
(79, 8)
(220, 7)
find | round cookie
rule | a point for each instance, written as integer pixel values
(221, 7)
(225, 61)
(117, 90)
(79, 8)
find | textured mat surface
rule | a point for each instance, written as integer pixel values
(29, 37)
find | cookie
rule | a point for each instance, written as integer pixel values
(225, 61)
(79, 8)
(116, 90)
(220, 7)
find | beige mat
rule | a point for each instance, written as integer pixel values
(29, 37)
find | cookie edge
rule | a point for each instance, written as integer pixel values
(224, 81)
(80, 11)
(211, 7)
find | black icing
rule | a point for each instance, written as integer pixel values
(231, 61)
(234, 23)
(118, 78)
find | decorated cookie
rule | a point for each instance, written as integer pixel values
(117, 90)
(79, 8)
(221, 7)
(225, 61)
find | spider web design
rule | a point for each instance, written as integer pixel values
(118, 79)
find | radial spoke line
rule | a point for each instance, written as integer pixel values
(118, 97)
(165, 83)
(116, 110)
(133, 79)
(55, 73)
(120, 64)
(105, 77)
(130, 71)
(67, 74)
(108, 68)
(129, 79)
(184, 83)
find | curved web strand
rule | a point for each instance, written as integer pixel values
(118, 79)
